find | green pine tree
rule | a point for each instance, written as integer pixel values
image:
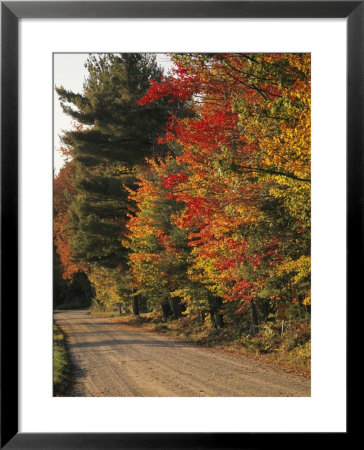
(113, 136)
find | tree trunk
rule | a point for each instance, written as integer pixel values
(166, 309)
(136, 305)
(219, 320)
(176, 308)
(213, 321)
(299, 308)
(202, 317)
(291, 290)
(214, 307)
(253, 318)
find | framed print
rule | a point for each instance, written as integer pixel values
(226, 210)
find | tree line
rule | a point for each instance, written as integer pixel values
(187, 193)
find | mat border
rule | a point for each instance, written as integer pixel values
(11, 12)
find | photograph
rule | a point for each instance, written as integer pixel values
(181, 224)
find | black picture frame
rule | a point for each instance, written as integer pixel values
(11, 12)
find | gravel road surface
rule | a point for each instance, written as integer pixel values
(116, 360)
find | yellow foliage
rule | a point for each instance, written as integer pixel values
(105, 285)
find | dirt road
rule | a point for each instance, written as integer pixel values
(114, 360)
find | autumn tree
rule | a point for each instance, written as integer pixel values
(158, 249)
(113, 134)
(71, 285)
(245, 186)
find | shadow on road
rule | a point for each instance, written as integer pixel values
(112, 342)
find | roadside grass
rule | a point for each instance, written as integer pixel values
(292, 350)
(62, 368)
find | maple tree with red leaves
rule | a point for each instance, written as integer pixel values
(234, 181)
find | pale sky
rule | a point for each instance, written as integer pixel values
(69, 72)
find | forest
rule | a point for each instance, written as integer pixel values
(185, 196)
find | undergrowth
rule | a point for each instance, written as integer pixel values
(291, 349)
(62, 369)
